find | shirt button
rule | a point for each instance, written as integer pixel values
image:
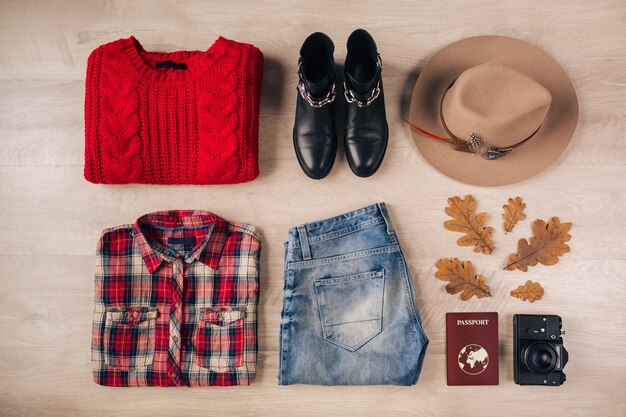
(175, 339)
(173, 375)
(176, 304)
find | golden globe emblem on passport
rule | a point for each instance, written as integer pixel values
(473, 359)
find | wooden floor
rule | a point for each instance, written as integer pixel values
(51, 218)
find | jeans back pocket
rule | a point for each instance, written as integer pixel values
(351, 308)
(129, 337)
(220, 338)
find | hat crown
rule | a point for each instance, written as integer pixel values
(497, 102)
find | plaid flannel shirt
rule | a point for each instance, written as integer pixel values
(176, 299)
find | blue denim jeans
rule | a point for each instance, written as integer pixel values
(349, 314)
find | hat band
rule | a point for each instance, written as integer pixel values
(475, 143)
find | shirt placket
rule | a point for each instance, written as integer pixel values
(176, 317)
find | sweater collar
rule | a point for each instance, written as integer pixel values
(144, 62)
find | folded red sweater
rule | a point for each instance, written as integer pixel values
(184, 117)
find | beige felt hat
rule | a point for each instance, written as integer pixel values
(492, 110)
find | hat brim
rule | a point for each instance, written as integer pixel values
(532, 157)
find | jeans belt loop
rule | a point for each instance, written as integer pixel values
(304, 243)
(385, 214)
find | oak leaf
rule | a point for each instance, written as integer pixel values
(465, 220)
(462, 278)
(513, 212)
(530, 291)
(545, 246)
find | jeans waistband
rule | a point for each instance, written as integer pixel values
(310, 233)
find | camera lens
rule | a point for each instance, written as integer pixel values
(540, 358)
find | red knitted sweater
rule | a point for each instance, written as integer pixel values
(148, 119)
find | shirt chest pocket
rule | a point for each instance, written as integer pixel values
(220, 338)
(129, 337)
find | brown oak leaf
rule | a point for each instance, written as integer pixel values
(545, 246)
(465, 220)
(530, 291)
(513, 212)
(462, 278)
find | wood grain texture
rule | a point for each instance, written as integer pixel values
(51, 217)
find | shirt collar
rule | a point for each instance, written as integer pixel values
(209, 251)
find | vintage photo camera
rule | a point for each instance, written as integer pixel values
(538, 352)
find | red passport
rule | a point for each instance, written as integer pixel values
(472, 348)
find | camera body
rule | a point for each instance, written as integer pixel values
(538, 352)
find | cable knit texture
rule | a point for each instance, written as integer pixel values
(168, 125)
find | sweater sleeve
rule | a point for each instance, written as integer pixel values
(253, 77)
(92, 172)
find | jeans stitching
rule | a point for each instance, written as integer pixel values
(348, 278)
(346, 231)
(362, 342)
(340, 233)
(340, 258)
(368, 211)
(410, 295)
(283, 344)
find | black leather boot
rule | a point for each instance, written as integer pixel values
(366, 130)
(314, 136)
